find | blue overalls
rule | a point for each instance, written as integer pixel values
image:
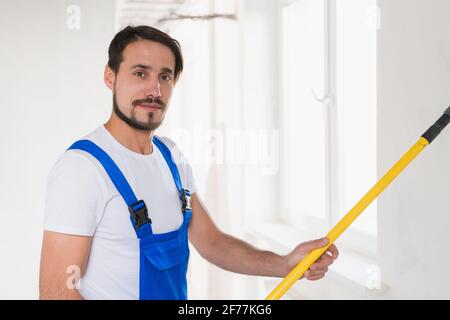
(163, 258)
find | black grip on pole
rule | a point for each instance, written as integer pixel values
(437, 127)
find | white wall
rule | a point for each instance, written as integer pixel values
(414, 83)
(51, 92)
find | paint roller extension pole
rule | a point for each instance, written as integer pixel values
(365, 201)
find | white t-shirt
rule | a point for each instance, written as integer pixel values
(82, 200)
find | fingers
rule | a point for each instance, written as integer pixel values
(334, 251)
(312, 277)
(323, 262)
(316, 273)
(320, 267)
(312, 273)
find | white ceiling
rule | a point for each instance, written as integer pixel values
(148, 12)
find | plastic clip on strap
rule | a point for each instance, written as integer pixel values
(185, 197)
(139, 214)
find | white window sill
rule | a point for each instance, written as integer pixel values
(352, 276)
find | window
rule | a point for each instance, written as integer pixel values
(328, 115)
(304, 186)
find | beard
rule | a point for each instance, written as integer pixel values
(148, 126)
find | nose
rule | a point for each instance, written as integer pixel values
(154, 88)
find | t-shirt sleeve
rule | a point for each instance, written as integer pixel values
(75, 195)
(189, 178)
(185, 169)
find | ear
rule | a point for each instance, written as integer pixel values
(109, 77)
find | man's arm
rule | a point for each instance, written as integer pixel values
(232, 254)
(63, 260)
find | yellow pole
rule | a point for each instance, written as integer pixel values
(365, 201)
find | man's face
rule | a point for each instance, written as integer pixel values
(143, 85)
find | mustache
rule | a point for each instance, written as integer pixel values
(149, 100)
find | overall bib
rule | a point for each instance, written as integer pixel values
(163, 258)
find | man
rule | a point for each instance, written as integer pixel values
(121, 203)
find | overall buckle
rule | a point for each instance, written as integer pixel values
(139, 214)
(185, 197)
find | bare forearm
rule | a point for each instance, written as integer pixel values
(228, 252)
(58, 293)
(65, 296)
(238, 256)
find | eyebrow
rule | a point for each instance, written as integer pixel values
(144, 66)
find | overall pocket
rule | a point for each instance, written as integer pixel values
(163, 266)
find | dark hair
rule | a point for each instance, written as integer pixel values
(131, 34)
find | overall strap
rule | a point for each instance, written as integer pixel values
(169, 160)
(138, 210)
(185, 195)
